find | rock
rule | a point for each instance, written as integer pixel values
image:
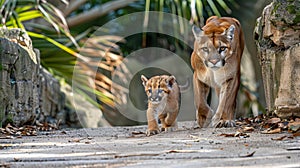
(277, 36)
(28, 92)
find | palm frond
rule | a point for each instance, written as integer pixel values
(104, 57)
(60, 51)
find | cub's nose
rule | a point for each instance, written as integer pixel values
(155, 99)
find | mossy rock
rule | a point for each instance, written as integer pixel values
(286, 13)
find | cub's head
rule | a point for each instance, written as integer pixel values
(213, 43)
(158, 88)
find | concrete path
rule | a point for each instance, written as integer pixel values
(129, 147)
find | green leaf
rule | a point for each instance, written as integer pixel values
(213, 7)
(25, 16)
(61, 46)
(200, 11)
(21, 9)
(29, 15)
(224, 6)
(48, 18)
(2, 2)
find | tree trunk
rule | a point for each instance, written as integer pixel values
(28, 92)
(277, 36)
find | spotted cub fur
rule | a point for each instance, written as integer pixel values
(163, 95)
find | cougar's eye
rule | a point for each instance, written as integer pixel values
(204, 49)
(222, 48)
(150, 90)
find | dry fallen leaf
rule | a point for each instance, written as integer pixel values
(136, 154)
(294, 126)
(248, 129)
(182, 151)
(248, 154)
(8, 130)
(63, 132)
(239, 123)
(293, 148)
(137, 132)
(241, 134)
(237, 134)
(282, 125)
(273, 120)
(296, 134)
(294, 123)
(6, 137)
(279, 138)
(75, 140)
(227, 135)
(26, 130)
(272, 131)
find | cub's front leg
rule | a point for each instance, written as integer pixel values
(224, 116)
(152, 122)
(169, 121)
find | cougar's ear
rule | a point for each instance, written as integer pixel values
(197, 31)
(170, 81)
(144, 79)
(230, 32)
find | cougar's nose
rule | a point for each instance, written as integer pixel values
(214, 61)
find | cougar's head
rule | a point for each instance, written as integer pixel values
(213, 44)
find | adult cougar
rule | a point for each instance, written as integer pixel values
(216, 61)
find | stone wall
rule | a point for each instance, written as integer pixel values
(28, 92)
(277, 36)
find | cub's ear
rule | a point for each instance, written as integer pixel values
(197, 31)
(171, 80)
(230, 32)
(144, 79)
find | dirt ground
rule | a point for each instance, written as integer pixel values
(129, 147)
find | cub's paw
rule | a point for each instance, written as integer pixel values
(151, 132)
(224, 123)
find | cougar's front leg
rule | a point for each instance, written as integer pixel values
(152, 122)
(203, 111)
(224, 116)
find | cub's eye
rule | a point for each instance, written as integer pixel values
(204, 49)
(150, 90)
(222, 48)
(160, 90)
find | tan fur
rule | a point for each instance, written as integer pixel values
(216, 61)
(163, 103)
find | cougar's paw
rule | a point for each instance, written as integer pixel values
(204, 120)
(152, 132)
(169, 129)
(224, 123)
